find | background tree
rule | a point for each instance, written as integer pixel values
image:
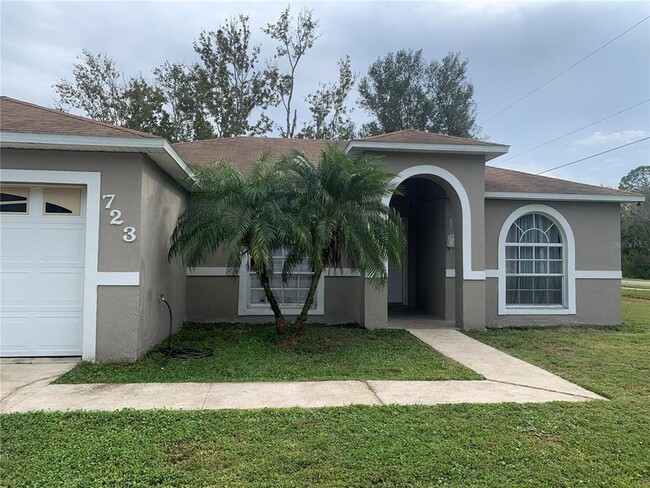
(229, 81)
(167, 108)
(184, 117)
(330, 114)
(98, 89)
(294, 37)
(454, 109)
(635, 226)
(402, 90)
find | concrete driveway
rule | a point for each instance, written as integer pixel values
(22, 378)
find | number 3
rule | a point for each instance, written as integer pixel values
(129, 234)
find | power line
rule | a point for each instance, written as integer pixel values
(572, 132)
(562, 72)
(593, 156)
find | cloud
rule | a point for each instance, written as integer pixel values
(622, 137)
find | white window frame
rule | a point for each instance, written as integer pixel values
(246, 308)
(569, 307)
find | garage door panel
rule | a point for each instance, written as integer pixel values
(58, 335)
(60, 289)
(17, 245)
(14, 341)
(64, 246)
(15, 290)
(41, 282)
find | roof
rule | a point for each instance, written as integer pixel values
(26, 125)
(510, 181)
(412, 136)
(23, 117)
(242, 151)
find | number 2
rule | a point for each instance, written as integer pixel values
(116, 214)
(129, 234)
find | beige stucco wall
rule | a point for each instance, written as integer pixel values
(596, 228)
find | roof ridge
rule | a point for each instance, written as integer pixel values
(259, 138)
(440, 134)
(559, 179)
(79, 117)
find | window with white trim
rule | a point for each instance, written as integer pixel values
(535, 262)
(291, 294)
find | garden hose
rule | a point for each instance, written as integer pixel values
(185, 353)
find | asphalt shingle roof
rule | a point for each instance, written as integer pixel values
(19, 116)
(242, 151)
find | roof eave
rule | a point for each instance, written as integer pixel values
(158, 149)
(570, 197)
(490, 151)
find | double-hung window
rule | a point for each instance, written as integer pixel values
(290, 295)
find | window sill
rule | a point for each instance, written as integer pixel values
(259, 311)
(537, 310)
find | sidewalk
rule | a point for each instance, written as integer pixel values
(507, 380)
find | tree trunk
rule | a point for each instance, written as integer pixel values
(301, 321)
(281, 325)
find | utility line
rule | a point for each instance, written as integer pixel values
(562, 72)
(593, 156)
(572, 132)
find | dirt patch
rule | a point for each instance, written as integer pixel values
(182, 452)
(558, 351)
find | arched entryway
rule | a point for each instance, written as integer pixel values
(435, 211)
(422, 284)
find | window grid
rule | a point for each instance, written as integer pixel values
(535, 269)
(293, 294)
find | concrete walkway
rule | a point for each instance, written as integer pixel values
(635, 283)
(507, 380)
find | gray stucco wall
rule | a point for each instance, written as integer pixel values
(162, 201)
(129, 320)
(470, 171)
(215, 299)
(596, 228)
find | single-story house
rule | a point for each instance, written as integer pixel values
(87, 210)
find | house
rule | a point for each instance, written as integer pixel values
(87, 210)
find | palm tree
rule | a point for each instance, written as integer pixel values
(337, 217)
(239, 215)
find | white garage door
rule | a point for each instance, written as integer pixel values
(42, 270)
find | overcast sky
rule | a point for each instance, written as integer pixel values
(512, 47)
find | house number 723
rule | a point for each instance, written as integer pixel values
(129, 232)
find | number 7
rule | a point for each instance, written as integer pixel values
(111, 197)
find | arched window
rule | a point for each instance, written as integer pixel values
(535, 268)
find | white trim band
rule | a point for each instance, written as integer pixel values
(118, 278)
(579, 274)
(490, 151)
(598, 275)
(222, 271)
(207, 271)
(507, 195)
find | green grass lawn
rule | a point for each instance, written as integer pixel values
(251, 352)
(600, 443)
